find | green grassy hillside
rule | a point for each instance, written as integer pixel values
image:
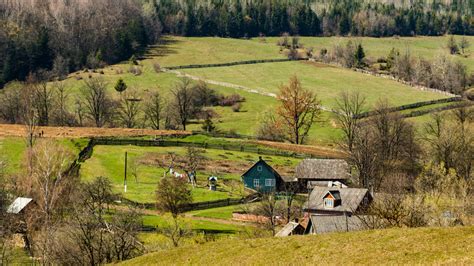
(391, 246)
(326, 81)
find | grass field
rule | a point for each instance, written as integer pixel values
(12, 151)
(206, 226)
(391, 246)
(326, 81)
(108, 161)
(185, 51)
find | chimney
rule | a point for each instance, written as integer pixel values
(259, 158)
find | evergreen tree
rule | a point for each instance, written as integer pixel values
(344, 24)
(359, 56)
(120, 86)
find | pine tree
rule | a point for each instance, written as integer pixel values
(359, 56)
(120, 86)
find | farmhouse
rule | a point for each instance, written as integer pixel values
(340, 201)
(322, 173)
(262, 177)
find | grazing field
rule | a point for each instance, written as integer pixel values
(326, 81)
(175, 51)
(12, 151)
(428, 47)
(390, 246)
(151, 162)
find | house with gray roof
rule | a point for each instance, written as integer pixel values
(322, 172)
(340, 201)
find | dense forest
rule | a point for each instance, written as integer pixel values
(62, 36)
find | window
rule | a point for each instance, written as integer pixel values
(269, 182)
(328, 203)
(259, 168)
(256, 182)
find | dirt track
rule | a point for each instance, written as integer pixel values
(314, 150)
(84, 132)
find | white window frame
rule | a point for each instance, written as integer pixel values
(256, 182)
(328, 203)
(269, 182)
(259, 168)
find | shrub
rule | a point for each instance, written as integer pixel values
(231, 99)
(135, 70)
(236, 107)
(157, 67)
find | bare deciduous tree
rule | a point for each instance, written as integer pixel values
(51, 189)
(130, 108)
(348, 109)
(299, 109)
(97, 102)
(183, 101)
(154, 110)
(268, 208)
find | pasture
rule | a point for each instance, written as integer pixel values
(151, 163)
(326, 81)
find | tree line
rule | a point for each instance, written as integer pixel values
(234, 18)
(38, 103)
(65, 36)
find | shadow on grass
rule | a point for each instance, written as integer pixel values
(162, 48)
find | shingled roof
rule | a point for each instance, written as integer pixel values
(351, 199)
(322, 169)
(330, 223)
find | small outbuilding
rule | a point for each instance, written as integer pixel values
(262, 177)
(19, 205)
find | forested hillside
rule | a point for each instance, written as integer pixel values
(65, 36)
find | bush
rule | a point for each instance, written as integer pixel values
(135, 70)
(157, 67)
(236, 107)
(231, 99)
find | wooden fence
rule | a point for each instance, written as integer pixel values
(248, 62)
(412, 106)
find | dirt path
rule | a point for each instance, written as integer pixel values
(7, 130)
(217, 220)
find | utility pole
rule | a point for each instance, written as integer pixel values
(125, 175)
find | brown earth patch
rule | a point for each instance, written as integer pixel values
(7, 130)
(308, 149)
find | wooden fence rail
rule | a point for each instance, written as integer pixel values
(248, 62)
(412, 106)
